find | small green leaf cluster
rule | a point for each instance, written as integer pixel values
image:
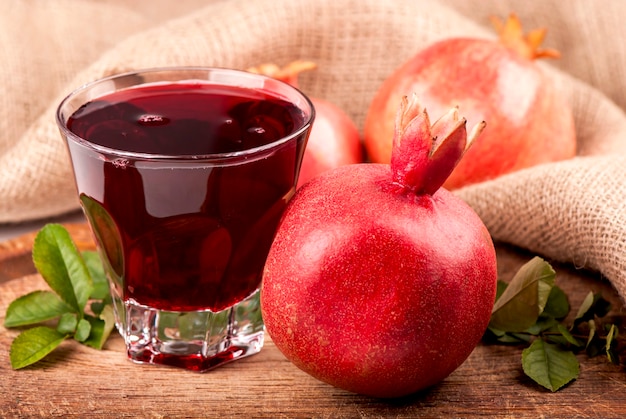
(79, 300)
(532, 309)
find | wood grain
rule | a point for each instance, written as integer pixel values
(15, 254)
(76, 381)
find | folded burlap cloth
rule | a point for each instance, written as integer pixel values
(572, 211)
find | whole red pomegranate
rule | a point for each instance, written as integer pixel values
(379, 281)
(530, 122)
(334, 140)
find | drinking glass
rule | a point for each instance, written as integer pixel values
(183, 175)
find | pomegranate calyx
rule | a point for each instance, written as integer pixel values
(512, 36)
(288, 74)
(424, 156)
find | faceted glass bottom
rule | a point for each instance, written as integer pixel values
(197, 341)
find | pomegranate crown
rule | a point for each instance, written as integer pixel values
(527, 45)
(288, 74)
(424, 155)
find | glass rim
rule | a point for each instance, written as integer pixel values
(61, 119)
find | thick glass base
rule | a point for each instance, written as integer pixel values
(197, 341)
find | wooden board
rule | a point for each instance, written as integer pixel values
(76, 381)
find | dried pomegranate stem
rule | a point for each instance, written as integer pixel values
(512, 36)
(288, 73)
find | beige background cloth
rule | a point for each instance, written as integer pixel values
(572, 211)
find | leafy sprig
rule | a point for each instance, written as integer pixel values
(79, 300)
(531, 309)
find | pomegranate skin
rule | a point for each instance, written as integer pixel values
(334, 141)
(529, 122)
(374, 290)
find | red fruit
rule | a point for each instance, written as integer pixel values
(529, 120)
(334, 140)
(380, 282)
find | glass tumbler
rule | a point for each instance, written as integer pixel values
(183, 175)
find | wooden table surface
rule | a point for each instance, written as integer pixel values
(77, 381)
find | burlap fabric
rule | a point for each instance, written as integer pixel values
(572, 211)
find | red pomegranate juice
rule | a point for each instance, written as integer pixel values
(185, 237)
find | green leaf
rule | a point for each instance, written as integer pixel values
(542, 324)
(555, 337)
(569, 338)
(83, 329)
(67, 324)
(585, 306)
(549, 365)
(611, 345)
(33, 345)
(96, 270)
(595, 346)
(492, 334)
(521, 337)
(593, 305)
(592, 331)
(512, 338)
(58, 261)
(97, 307)
(34, 307)
(100, 328)
(107, 235)
(557, 305)
(525, 298)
